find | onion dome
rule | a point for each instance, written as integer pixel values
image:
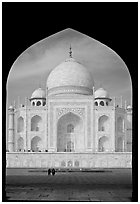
(101, 93)
(129, 107)
(38, 94)
(70, 77)
(11, 107)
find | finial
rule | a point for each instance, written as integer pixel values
(114, 101)
(70, 52)
(125, 104)
(14, 104)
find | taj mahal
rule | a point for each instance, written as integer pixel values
(69, 124)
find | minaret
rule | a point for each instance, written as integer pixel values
(129, 128)
(102, 97)
(11, 129)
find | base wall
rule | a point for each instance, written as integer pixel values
(68, 160)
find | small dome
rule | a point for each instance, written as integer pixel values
(38, 93)
(101, 93)
(70, 73)
(129, 107)
(11, 107)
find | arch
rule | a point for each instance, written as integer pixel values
(36, 123)
(76, 163)
(44, 103)
(36, 144)
(119, 144)
(69, 129)
(20, 124)
(96, 103)
(63, 164)
(102, 103)
(20, 144)
(70, 164)
(33, 103)
(38, 103)
(103, 144)
(100, 46)
(103, 123)
(120, 124)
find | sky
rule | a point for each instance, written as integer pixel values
(32, 67)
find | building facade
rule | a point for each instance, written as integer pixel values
(69, 121)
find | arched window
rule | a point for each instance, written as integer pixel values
(107, 103)
(70, 128)
(120, 124)
(44, 103)
(38, 103)
(69, 163)
(36, 144)
(103, 144)
(76, 163)
(63, 163)
(20, 144)
(96, 104)
(120, 144)
(36, 123)
(102, 103)
(33, 103)
(20, 124)
(103, 123)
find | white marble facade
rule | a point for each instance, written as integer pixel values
(69, 116)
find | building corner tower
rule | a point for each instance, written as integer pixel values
(11, 129)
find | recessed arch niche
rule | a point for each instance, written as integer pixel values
(104, 144)
(36, 123)
(20, 124)
(119, 144)
(36, 144)
(103, 123)
(20, 144)
(70, 133)
(120, 124)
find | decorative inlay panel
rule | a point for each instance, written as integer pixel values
(63, 111)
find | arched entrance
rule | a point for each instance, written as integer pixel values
(36, 144)
(69, 130)
(20, 144)
(120, 124)
(103, 123)
(36, 123)
(20, 124)
(120, 144)
(103, 144)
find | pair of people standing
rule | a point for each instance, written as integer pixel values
(51, 171)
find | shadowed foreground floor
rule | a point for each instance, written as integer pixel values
(107, 185)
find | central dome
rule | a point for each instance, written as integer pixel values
(71, 76)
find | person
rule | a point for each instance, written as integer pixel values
(49, 171)
(53, 171)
